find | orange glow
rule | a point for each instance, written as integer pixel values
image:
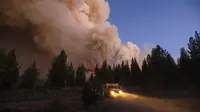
(124, 94)
(113, 94)
(121, 92)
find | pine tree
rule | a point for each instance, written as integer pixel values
(124, 73)
(145, 76)
(101, 73)
(104, 71)
(58, 74)
(97, 74)
(2, 59)
(122, 68)
(157, 72)
(10, 70)
(97, 70)
(2, 65)
(122, 78)
(194, 53)
(144, 67)
(80, 76)
(183, 67)
(105, 67)
(29, 77)
(116, 73)
(159, 62)
(127, 70)
(70, 75)
(171, 78)
(99, 78)
(109, 76)
(194, 46)
(135, 72)
(183, 61)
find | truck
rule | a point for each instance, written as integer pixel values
(112, 90)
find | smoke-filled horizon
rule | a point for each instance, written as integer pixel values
(80, 27)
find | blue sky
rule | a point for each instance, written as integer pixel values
(168, 23)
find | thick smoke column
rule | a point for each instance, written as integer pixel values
(80, 27)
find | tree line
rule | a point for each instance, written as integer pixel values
(159, 71)
(60, 75)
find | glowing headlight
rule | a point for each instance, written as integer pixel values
(120, 92)
(112, 92)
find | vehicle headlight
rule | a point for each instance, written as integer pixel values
(112, 92)
(120, 92)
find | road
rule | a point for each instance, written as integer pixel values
(136, 103)
(121, 105)
(126, 102)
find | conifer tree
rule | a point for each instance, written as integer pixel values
(58, 73)
(10, 70)
(183, 68)
(2, 65)
(29, 77)
(194, 53)
(80, 76)
(70, 75)
(144, 76)
(135, 72)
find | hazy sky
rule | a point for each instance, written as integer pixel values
(166, 22)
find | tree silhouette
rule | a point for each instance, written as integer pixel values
(97, 80)
(135, 72)
(70, 75)
(10, 70)
(124, 74)
(2, 65)
(194, 46)
(80, 76)
(183, 61)
(29, 77)
(58, 73)
(145, 76)
(194, 53)
(110, 74)
(171, 78)
(183, 65)
(116, 73)
(104, 72)
(161, 68)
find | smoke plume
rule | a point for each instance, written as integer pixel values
(80, 27)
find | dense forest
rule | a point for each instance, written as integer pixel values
(159, 71)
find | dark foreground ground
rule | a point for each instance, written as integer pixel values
(70, 101)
